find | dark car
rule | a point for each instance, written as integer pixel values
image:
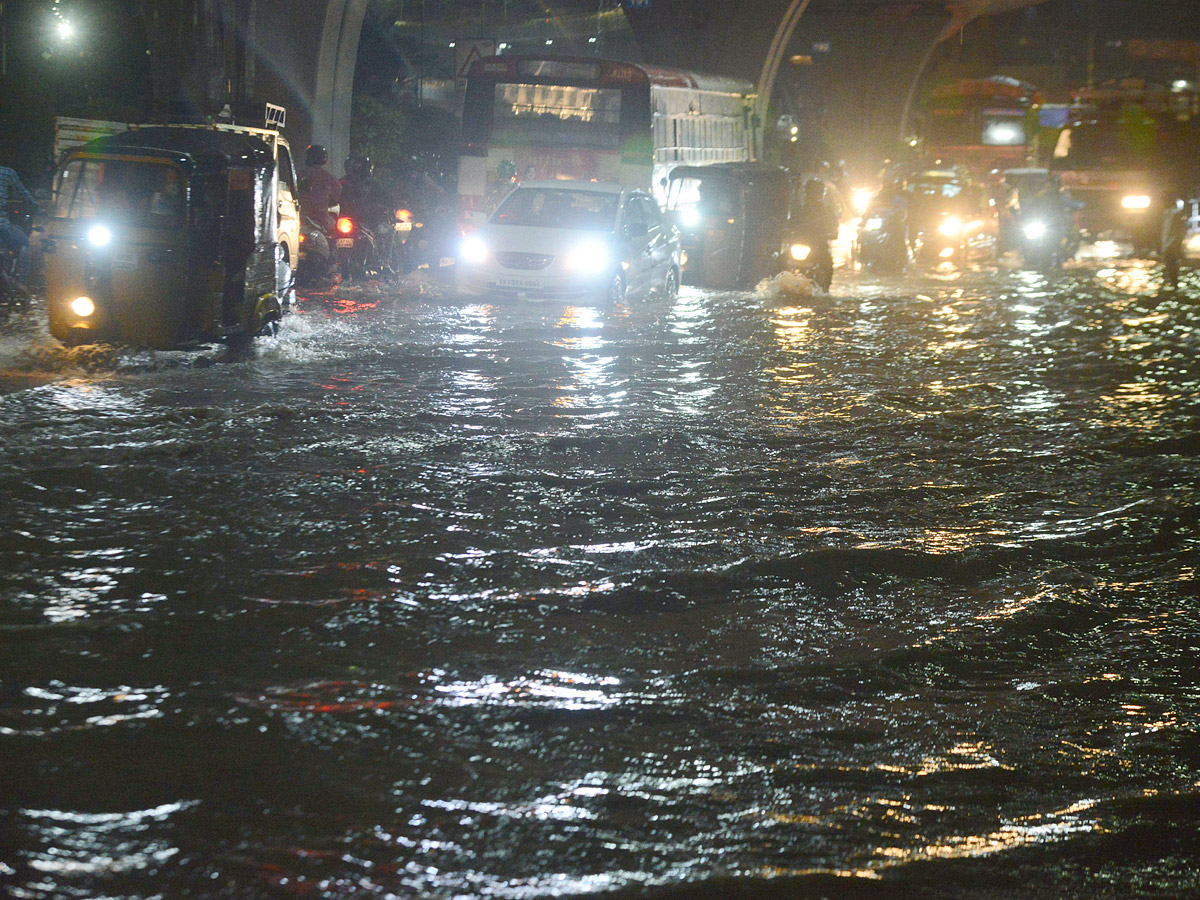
(951, 218)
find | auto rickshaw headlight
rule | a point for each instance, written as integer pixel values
(689, 217)
(1135, 201)
(83, 307)
(951, 226)
(99, 236)
(799, 252)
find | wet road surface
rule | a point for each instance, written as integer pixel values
(887, 593)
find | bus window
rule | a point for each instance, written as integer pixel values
(554, 115)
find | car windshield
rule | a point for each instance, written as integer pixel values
(558, 208)
(144, 194)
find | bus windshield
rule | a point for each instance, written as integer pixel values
(142, 194)
(556, 115)
(558, 208)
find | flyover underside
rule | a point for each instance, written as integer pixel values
(866, 56)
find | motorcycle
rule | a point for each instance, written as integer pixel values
(356, 248)
(316, 262)
(1046, 242)
(812, 260)
(12, 290)
(883, 240)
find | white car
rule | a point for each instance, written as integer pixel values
(573, 241)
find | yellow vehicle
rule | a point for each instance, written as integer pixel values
(165, 236)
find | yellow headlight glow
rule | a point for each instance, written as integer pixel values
(1135, 201)
(800, 252)
(83, 307)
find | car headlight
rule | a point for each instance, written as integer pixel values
(99, 235)
(799, 252)
(589, 257)
(473, 250)
(1035, 231)
(873, 224)
(1135, 201)
(951, 226)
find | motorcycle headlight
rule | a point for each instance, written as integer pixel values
(1135, 201)
(873, 224)
(99, 235)
(1035, 231)
(473, 250)
(951, 226)
(589, 257)
(860, 199)
(799, 252)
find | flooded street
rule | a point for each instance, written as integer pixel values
(892, 592)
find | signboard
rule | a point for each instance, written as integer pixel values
(466, 53)
(71, 133)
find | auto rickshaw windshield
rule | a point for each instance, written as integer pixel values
(142, 194)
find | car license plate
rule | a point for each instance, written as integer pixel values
(404, 226)
(527, 283)
(345, 242)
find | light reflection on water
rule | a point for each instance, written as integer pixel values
(438, 599)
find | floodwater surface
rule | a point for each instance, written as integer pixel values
(891, 592)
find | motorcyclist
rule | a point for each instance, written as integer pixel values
(1049, 203)
(363, 198)
(319, 188)
(816, 224)
(13, 238)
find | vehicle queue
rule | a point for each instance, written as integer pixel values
(175, 234)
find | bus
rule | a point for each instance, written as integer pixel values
(539, 118)
(982, 123)
(1128, 154)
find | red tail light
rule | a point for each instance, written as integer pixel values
(403, 215)
(345, 225)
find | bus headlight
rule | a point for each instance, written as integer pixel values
(473, 250)
(99, 236)
(1135, 202)
(799, 252)
(83, 307)
(951, 226)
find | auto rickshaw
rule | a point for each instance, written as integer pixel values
(731, 217)
(166, 236)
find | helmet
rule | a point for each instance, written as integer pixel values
(814, 189)
(358, 166)
(316, 155)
